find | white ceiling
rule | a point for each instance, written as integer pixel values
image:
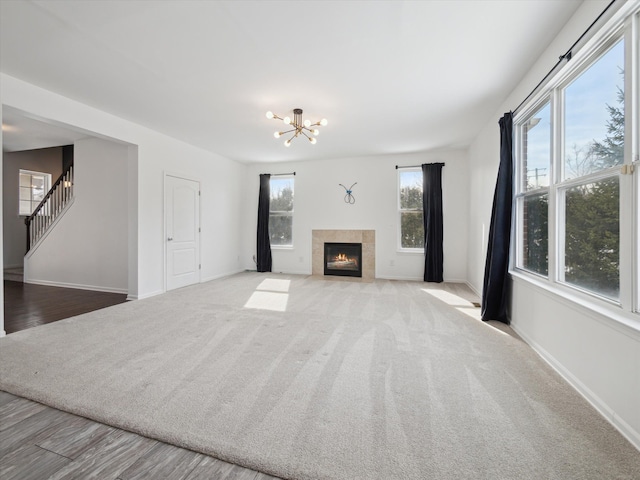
(22, 132)
(390, 76)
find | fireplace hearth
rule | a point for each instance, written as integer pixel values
(343, 259)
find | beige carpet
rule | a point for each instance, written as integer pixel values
(305, 378)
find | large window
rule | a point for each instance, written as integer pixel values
(410, 209)
(588, 189)
(33, 186)
(576, 195)
(281, 211)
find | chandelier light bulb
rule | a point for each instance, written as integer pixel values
(296, 126)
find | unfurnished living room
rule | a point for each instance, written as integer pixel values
(320, 239)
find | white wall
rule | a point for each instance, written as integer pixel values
(88, 247)
(595, 353)
(47, 160)
(319, 204)
(156, 153)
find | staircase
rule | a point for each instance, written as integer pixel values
(15, 274)
(52, 206)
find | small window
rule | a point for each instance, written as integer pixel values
(281, 211)
(533, 202)
(410, 209)
(32, 189)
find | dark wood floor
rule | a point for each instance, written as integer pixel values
(27, 305)
(38, 442)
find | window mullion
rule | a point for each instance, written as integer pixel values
(556, 241)
(629, 183)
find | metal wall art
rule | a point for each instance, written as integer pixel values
(349, 198)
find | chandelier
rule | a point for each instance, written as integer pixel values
(299, 127)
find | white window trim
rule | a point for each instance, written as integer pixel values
(47, 186)
(286, 214)
(401, 249)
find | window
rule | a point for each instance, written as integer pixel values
(33, 186)
(589, 190)
(532, 205)
(576, 194)
(281, 211)
(410, 209)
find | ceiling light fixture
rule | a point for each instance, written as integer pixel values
(299, 127)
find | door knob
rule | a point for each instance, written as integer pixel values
(169, 239)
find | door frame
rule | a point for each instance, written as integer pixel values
(164, 222)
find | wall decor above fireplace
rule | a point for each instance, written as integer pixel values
(349, 198)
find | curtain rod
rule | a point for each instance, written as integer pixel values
(566, 56)
(417, 166)
(279, 174)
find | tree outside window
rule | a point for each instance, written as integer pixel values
(410, 209)
(594, 143)
(281, 211)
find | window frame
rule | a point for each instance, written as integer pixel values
(624, 24)
(400, 211)
(521, 191)
(47, 186)
(282, 213)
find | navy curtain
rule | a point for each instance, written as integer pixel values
(263, 259)
(495, 291)
(432, 218)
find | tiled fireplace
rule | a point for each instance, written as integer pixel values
(365, 237)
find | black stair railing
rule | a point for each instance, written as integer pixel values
(50, 207)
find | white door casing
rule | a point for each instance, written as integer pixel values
(182, 239)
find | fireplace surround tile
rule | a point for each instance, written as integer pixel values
(366, 237)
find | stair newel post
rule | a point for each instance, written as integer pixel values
(28, 224)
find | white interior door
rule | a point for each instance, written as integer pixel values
(182, 220)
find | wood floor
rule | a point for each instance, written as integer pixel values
(39, 442)
(27, 305)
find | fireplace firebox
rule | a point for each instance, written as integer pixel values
(343, 259)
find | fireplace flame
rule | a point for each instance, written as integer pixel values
(342, 258)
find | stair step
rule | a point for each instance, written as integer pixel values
(14, 274)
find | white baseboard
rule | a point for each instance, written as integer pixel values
(145, 295)
(392, 277)
(220, 275)
(479, 294)
(605, 410)
(95, 288)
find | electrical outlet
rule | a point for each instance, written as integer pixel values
(392, 263)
